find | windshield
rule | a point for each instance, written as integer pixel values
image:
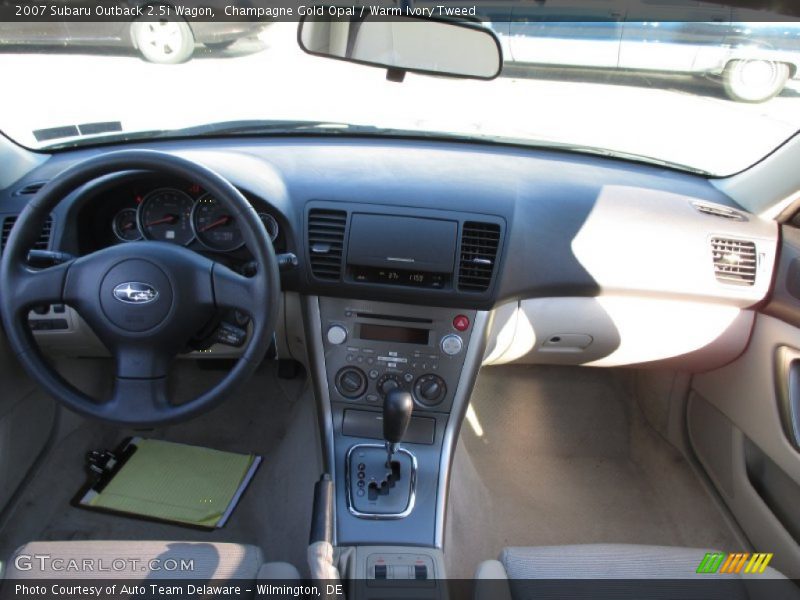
(710, 94)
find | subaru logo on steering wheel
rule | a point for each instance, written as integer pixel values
(134, 292)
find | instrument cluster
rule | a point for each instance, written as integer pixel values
(183, 216)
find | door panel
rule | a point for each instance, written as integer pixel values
(566, 33)
(687, 37)
(98, 32)
(741, 427)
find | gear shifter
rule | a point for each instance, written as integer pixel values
(397, 408)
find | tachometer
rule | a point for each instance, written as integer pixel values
(166, 215)
(215, 226)
(126, 226)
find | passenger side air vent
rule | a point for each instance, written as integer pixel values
(41, 244)
(30, 189)
(479, 243)
(715, 210)
(326, 229)
(734, 261)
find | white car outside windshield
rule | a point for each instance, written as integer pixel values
(73, 94)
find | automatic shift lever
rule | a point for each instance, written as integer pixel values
(397, 408)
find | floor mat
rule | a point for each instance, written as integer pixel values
(165, 481)
(557, 455)
(272, 417)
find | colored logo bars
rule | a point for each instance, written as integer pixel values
(739, 562)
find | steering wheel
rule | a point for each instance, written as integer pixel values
(144, 300)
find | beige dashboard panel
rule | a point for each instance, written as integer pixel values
(610, 331)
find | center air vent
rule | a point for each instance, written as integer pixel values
(326, 229)
(716, 210)
(479, 243)
(734, 261)
(41, 244)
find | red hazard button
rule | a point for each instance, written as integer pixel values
(461, 322)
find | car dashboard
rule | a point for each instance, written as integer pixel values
(573, 255)
(415, 263)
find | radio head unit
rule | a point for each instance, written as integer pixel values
(372, 348)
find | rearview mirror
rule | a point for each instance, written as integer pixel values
(415, 44)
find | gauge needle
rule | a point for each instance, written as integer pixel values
(127, 226)
(165, 219)
(221, 221)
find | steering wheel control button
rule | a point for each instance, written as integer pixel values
(337, 335)
(461, 323)
(351, 382)
(452, 344)
(430, 390)
(136, 295)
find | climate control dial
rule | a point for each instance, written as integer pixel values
(351, 382)
(430, 390)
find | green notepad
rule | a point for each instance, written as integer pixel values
(176, 482)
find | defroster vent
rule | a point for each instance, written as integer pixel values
(326, 230)
(735, 261)
(479, 243)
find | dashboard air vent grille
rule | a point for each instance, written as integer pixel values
(479, 243)
(41, 244)
(326, 230)
(734, 261)
(30, 189)
(715, 210)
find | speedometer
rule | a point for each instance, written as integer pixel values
(215, 226)
(166, 215)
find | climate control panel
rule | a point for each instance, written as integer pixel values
(372, 348)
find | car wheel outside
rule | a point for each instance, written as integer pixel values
(163, 42)
(754, 80)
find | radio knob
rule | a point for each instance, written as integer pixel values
(452, 344)
(337, 335)
(430, 390)
(351, 382)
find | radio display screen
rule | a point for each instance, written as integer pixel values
(390, 333)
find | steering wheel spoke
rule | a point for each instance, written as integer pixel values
(39, 287)
(139, 400)
(141, 361)
(232, 290)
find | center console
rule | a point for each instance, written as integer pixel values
(362, 351)
(395, 342)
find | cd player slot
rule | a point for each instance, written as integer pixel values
(366, 315)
